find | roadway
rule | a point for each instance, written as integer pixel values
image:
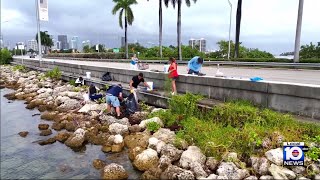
(296, 76)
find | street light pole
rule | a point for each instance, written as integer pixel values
(230, 30)
(298, 32)
(38, 27)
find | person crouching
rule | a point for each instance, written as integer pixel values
(112, 99)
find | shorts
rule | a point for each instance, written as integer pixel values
(112, 100)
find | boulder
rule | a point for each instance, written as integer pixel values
(281, 173)
(114, 171)
(106, 148)
(153, 143)
(76, 139)
(58, 126)
(93, 107)
(45, 90)
(98, 164)
(23, 133)
(62, 136)
(146, 160)
(266, 177)
(153, 173)
(43, 126)
(260, 165)
(43, 95)
(117, 147)
(159, 146)
(175, 172)
(144, 123)
(165, 135)
(138, 139)
(134, 152)
(47, 141)
(197, 170)
(70, 126)
(118, 139)
(135, 128)
(48, 115)
(251, 178)
(172, 152)
(108, 120)
(69, 105)
(117, 128)
(230, 170)
(46, 132)
(275, 156)
(192, 155)
(137, 117)
(212, 163)
(60, 100)
(299, 170)
(164, 162)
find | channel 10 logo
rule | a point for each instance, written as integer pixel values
(293, 153)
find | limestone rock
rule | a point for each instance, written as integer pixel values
(117, 147)
(106, 148)
(191, 155)
(260, 165)
(57, 126)
(108, 120)
(69, 105)
(144, 123)
(46, 132)
(212, 163)
(275, 156)
(138, 139)
(135, 128)
(118, 139)
(153, 173)
(175, 172)
(146, 160)
(98, 164)
(93, 107)
(251, 178)
(48, 141)
(43, 126)
(230, 170)
(62, 136)
(60, 100)
(76, 139)
(134, 152)
(153, 143)
(266, 177)
(172, 152)
(197, 170)
(48, 115)
(165, 135)
(164, 162)
(114, 171)
(160, 146)
(298, 169)
(117, 128)
(281, 173)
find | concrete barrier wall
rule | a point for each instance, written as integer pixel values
(298, 99)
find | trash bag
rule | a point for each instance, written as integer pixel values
(131, 105)
(106, 77)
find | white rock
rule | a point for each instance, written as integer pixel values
(146, 160)
(114, 171)
(144, 123)
(275, 156)
(93, 107)
(281, 173)
(198, 171)
(69, 105)
(118, 139)
(60, 100)
(160, 146)
(230, 170)
(156, 110)
(266, 177)
(172, 152)
(165, 135)
(117, 128)
(192, 155)
(45, 90)
(260, 165)
(153, 143)
(303, 178)
(43, 95)
(251, 178)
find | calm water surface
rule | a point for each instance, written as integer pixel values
(24, 158)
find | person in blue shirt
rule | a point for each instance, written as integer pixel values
(112, 98)
(194, 65)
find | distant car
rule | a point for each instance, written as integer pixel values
(32, 56)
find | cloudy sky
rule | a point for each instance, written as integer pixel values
(266, 24)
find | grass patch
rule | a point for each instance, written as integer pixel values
(235, 126)
(153, 126)
(20, 68)
(55, 73)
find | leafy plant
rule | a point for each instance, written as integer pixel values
(20, 68)
(55, 73)
(185, 105)
(5, 56)
(101, 100)
(144, 107)
(167, 85)
(72, 82)
(153, 126)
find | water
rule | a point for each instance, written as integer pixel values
(23, 158)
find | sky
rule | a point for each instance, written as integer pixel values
(269, 25)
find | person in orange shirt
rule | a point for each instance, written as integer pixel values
(173, 74)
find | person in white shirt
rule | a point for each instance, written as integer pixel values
(134, 62)
(79, 81)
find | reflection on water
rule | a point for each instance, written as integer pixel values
(22, 158)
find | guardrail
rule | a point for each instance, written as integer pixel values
(208, 63)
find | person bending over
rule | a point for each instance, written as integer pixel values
(112, 98)
(135, 81)
(195, 65)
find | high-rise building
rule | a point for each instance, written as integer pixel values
(58, 44)
(64, 41)
(32, 44)
(199, 44)
(74, 42)
(123, 41)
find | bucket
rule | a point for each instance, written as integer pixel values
(166, 68)
(88, 75)
(151, 86)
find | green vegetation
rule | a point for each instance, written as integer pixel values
(72, 82)
(310, 51)
(46, 40)
(54, 74)
(20, 68)
(153, 126)
(5, 56)
(234, 127)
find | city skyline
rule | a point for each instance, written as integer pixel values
(273, 32)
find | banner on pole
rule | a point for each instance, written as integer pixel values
(43, 10)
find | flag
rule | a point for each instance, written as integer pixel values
(43, 10)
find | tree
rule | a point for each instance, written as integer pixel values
(46, 40)
(86, 49)
(124, 7)
(238, 25)
(178, 3)
(310, 51)
(5, 56)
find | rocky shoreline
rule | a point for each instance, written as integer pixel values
(76, 124)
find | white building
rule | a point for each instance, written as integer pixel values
(58, 45)
(74, 43)
(199, 44)
(1, 42)
(32, 44)
(85, 43)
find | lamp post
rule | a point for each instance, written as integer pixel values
(298, 32)
(38, 28)
(230, 29)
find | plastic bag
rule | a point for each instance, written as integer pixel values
(106, 77)
(131, 104)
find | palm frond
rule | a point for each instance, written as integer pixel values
(188, 3)
(120, 18)
(130, 17)
(116, 8)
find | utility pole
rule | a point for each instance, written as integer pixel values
(38, 27)
(229, 47)
(298, 32)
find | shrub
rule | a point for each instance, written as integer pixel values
(72, 82)
(5, 56)
(20, 68)
(54, 74)
(153, 126)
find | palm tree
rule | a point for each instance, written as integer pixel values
(124, 7)
(46, 40)
(178, 2)
(160, 27)
(238, 24)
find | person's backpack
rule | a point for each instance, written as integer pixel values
(131, 104)
(106, 77)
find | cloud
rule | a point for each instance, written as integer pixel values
(268, 25)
